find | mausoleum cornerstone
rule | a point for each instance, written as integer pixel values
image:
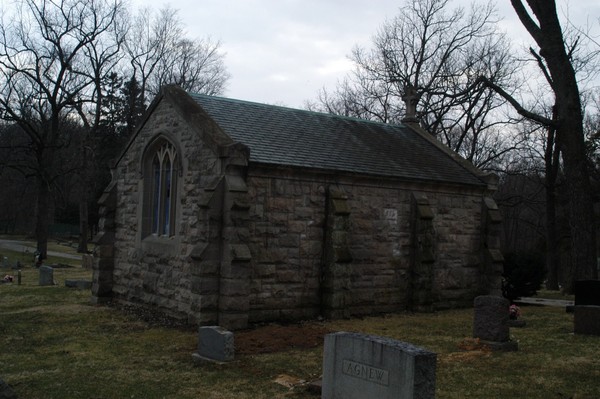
(267, 213)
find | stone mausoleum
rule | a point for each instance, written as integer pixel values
(227, 212)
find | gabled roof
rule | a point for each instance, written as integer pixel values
(292, 137)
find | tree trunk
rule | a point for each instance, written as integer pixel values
(547, 33)
(552, 249)
(570, 137)
(551, 163)
(83, 204)
(83, 224)
(42, 218)
(581, 216)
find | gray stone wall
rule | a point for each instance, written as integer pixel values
(286, 239)
(288, 236)
(151, 270)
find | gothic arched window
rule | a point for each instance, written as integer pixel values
(160, 189)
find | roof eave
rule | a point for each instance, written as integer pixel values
(488, 179)
(366, 175)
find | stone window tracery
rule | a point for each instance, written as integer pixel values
(160, 189)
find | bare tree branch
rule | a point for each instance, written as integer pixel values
(516, 105)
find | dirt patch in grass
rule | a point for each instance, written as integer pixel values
(274, 338)
(269, 338)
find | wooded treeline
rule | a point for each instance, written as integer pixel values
(75, 76)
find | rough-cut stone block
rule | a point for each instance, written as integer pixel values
(235, 270)
(198, 250)
(587, 319)
(490, 318)
(46, 275)
(234, 303)
(357, 366)
(231, 287)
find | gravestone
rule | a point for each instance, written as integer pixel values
(490, 322)
(586, 311)
(357, 366)
(215, 344)
(46, 275)
(586, 319)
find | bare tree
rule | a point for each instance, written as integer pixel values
(160, 54)
(45, 77)
(438, 53)
(148, 41)
(556, 62)
(195, 66)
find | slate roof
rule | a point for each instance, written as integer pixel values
(292, 137)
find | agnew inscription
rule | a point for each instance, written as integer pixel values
(365, 372)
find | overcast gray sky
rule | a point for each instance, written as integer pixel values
(283, 51)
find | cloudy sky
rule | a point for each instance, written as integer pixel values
(283, 51)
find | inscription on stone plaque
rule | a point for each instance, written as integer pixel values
(390, 215)
(365, 372)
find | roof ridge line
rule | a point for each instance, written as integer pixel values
(289, 108)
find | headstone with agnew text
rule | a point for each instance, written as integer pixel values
(357, 366)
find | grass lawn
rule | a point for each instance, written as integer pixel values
(55, 344)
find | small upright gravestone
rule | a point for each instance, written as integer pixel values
(587, 307)
(357, 366)
(215, 344)
(46, 275)
(490, 322)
